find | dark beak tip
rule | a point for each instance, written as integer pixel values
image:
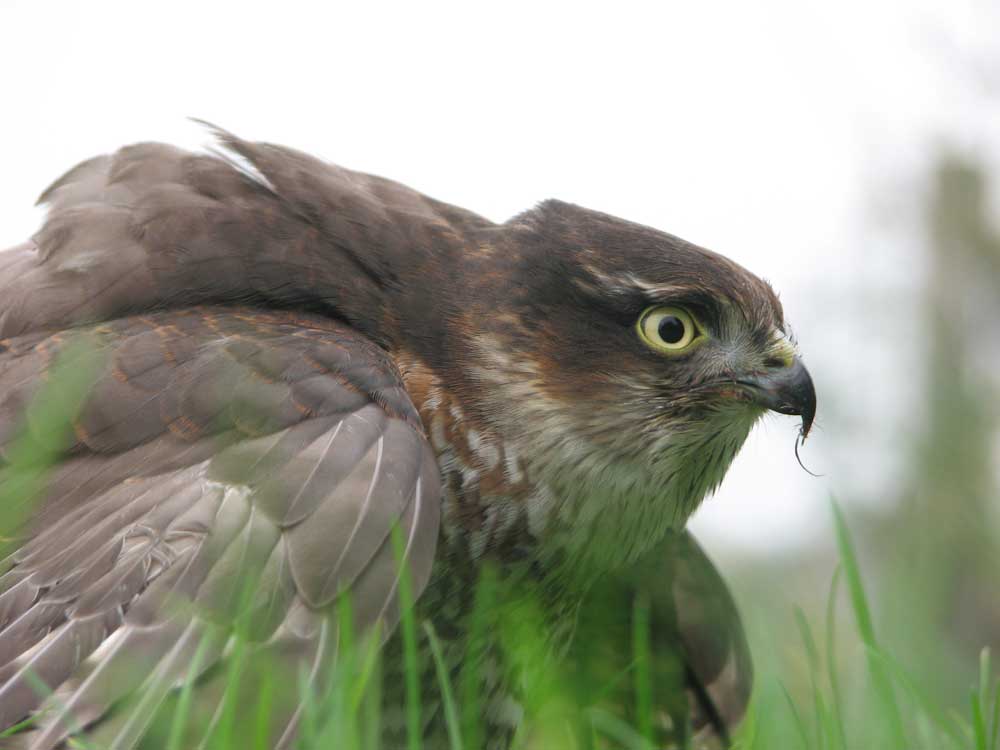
(789, 391)
(807, 423)
(807, 400)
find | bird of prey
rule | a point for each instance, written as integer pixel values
(308, 387)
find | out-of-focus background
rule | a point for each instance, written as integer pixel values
(846, 151)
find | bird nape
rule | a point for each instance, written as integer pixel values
(253, 406)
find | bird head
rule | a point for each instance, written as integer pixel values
(624, 365)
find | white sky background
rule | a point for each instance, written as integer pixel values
(785, 134)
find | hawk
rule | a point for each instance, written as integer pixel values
(307, 386)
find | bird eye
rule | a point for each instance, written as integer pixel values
(667, 329)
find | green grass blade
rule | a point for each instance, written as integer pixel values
(800, 725)
(624, 736)
(484, 610)
(812, 654)
(852, 577)
(408, 629)
(866, 629)
(944, 724)
(183, 711)
(19, 727)
(985, 674)
(221, 735)
(347, 725)
(643, 678)
(452, 720)
(995, 716)
(978, 725)
(364, 679)
(50, 413)
(42, 689)
(832, 672)
(805, 632)
(371, 709)
(262, 716)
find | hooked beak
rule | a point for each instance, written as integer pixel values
(787, 390)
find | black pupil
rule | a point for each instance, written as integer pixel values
(671, 329)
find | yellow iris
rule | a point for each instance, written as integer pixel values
(670, 330)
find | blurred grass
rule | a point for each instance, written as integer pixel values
(884, 707)
(43, 436)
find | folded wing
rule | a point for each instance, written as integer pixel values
(230, 469)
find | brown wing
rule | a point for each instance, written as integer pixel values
(218, 448)
(223, 449)
(699, 669)
(714, 649)
(152, 226)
